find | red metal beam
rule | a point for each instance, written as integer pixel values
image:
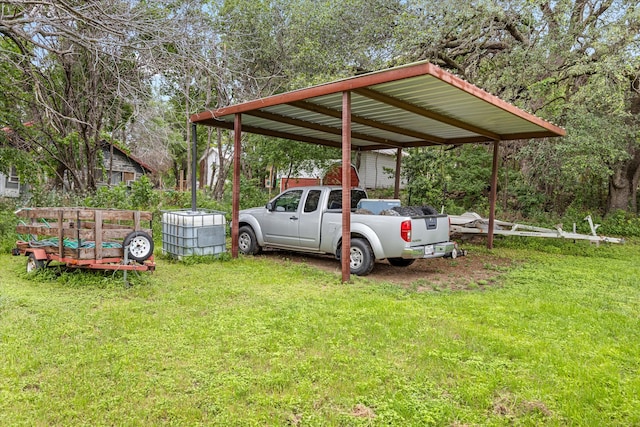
(396, 188)
(310, 106)
(424, 112)
(319, 127)
(235, 202)
(346, 186)
(278, 134)
(493, 195)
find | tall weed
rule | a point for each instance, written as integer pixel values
(8, 224)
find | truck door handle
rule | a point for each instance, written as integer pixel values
(293, 218)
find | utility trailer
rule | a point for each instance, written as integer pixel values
(99, 239)
(471, 224)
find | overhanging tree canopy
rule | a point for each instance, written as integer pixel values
(410, 106)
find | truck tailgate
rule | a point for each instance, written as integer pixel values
(429, 229)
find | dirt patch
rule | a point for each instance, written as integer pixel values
(510, 406)
(363, 411)
(473, 271)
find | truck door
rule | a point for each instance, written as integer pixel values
(281, 222)
(310, 220)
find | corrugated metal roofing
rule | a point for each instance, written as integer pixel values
(415, 105)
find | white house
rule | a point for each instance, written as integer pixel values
(372, 169)
(209, 162)
(371, 172)
(10, 185)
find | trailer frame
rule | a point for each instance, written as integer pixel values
(88, 238)
(471, 224)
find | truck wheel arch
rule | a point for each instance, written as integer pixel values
(361, 231)
(255, 226)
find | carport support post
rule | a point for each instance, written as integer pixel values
(235, 201)
(493, 194)
(194, 165)
(396, 190)
(346, 185)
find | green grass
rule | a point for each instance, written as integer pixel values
(255, 342)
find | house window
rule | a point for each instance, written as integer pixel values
(12, 180)
(116, 177)
(128, 176)
(13, 175)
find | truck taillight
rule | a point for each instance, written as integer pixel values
(405, 231)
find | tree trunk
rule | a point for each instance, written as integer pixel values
(623, 186)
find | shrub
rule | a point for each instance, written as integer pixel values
(142, 195)
(8, 222)
(116, 197)
(621, 223)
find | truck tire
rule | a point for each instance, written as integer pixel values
(400, 262)
(361, 259)
(247, 242)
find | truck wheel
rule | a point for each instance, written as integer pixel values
(34, 264)
(361, 260)
(247, 242)
(401, 262)
(139, 244)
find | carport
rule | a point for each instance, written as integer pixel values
(409, 106)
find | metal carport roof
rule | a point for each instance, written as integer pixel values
(409, 106)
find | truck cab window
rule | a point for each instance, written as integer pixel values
(288, 202)
(335, 198)
(313, 198)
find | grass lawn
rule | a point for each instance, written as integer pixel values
(556, 341)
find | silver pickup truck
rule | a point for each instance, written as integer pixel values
(309, 219)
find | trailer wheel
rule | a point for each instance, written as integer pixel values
(361, 260)
(34, 264)
(400, 262)
(139, 244)
(247, 242)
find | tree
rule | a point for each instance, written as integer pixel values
(563, 60)
(275, 46)
(75, 69)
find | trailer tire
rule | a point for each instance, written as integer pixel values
(139, 244)
(247, 242)
(401, 262)
(34, 264)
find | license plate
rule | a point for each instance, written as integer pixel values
(428, 250)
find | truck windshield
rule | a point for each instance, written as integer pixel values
(335, 198)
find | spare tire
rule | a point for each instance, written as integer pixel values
(139, 244)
